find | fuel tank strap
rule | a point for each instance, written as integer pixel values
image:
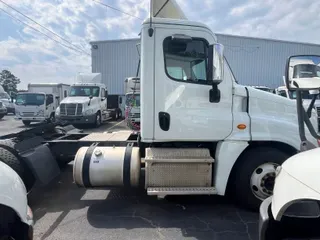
(127, 165)
(86, 165)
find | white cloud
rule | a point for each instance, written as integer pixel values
(35, 58)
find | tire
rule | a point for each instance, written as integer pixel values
(97, 122)
(120, 114)
(10, 156)
(26, 123)
(11, 225)
(52, 118)
(117, 115)
(1, 116)
(253, 179)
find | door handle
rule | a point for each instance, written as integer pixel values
(164, 121)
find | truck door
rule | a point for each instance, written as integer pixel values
(182, 107)
(103, 100)
(50, 106)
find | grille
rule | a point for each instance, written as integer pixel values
(28, 114)
(318, 111)
(135, 115)
(71, 109)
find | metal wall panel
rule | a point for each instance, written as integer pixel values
(115, 60)
(257, 61)
(253, 61)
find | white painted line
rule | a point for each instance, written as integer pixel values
(115, 125)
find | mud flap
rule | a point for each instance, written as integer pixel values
(42, 164)
(302, 221)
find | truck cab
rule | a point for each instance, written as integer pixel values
(6, 101)
(40, 102)
(3, 110)
(132, 104)
(86, 103)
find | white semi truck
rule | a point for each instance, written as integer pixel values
(86, 104)
(7, 101)
(201, 132)
(40, 102)
(132, 106)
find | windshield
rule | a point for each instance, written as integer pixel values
(306, 71)
(133, 100)
(305, 95)
(4, 95)
(84, 91)
(30, 99)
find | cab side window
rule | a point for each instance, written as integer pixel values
(186, 60)
(283, 93)
(49, 99)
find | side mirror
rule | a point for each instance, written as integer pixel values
(57, 97)
(120, 100)
(215, 63)
(91, 97)
(106, 94)
(303, 72)
(215, 70)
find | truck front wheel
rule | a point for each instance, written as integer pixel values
(1, 116)
(253, 179)
(98, 120)
(26, 123)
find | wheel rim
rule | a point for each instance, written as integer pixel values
(262, 180)
(117, 115)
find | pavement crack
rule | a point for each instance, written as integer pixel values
(245, 224)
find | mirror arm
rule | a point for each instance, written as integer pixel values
(314, 98)
(300, 113)
(310, 127)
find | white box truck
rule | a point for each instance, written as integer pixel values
(86, 104)
(40, 102)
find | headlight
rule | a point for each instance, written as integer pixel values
(40, 113)
(88, 112)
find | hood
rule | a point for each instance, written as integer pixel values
(306, 103)
(76, 100)
(7, 102)
(301, 173)
(270, 97)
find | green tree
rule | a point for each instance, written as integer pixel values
(9, 81)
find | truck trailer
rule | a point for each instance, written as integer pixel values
(201, 132)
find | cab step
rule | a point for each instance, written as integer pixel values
(161, 192)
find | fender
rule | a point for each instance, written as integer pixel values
(226, 155)
(13, 193)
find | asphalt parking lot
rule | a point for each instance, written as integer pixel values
(64, 211)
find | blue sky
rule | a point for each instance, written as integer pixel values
(34, 58)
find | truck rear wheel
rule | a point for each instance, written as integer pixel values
(1, 116)
(11, 157)
(26, 123)
(253, 179)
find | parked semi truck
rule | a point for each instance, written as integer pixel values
(3, 110)
(86, 104)
(7, 101)
(132, 105)
(40, 102)
(294, 209)
(201, 132)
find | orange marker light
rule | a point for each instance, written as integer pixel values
(241, 126)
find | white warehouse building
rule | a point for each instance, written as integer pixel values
(254, 61)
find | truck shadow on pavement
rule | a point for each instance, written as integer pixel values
(201, 217)
(136, 215)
